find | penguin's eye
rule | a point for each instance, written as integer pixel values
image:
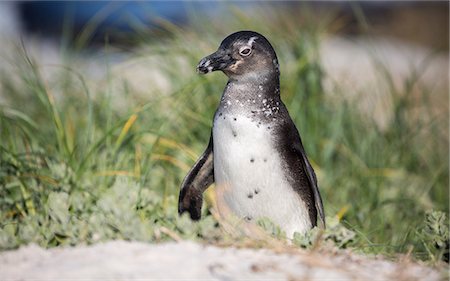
(245, 51)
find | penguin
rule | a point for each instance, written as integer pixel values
(255, 155)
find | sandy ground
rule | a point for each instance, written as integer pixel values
(121, 260)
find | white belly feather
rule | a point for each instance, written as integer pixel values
(249, 176)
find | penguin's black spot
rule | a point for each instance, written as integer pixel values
(234, 119)
(234, 134)
(220, 114)
(250, 195)
(248, 218)
(224, 118)
(256, 191)
(268, 128)
(252, 160)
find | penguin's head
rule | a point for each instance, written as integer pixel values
(242, 54)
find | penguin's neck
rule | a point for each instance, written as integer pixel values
(248, 93)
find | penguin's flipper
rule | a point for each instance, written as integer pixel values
(199, 178)
(313, 183)
(298, 160)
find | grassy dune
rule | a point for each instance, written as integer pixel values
(75, 168)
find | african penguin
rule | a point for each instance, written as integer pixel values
(255, 155)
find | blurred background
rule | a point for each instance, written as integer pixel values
(102, 115)
(399, 34)
(424, 23)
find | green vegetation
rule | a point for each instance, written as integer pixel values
(76, 169)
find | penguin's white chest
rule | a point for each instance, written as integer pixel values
(249, 176)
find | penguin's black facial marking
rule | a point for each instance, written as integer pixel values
(234, 134)
(252, 160)
(234, 119)
(218, 60)
(257, 191)
(241, 53)
(250, 195)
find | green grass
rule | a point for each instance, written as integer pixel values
(75, 169)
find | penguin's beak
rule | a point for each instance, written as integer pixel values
(216, 61)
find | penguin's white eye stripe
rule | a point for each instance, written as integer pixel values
(251, 40)
(245, 51)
